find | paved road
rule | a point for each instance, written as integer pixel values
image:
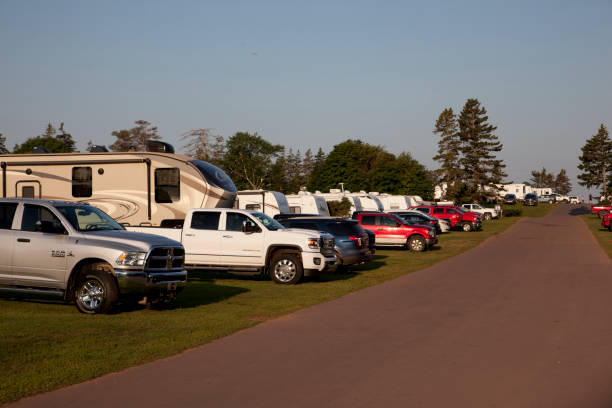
(524, 320)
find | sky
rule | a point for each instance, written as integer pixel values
(312, 74)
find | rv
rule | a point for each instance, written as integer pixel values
(267, 202)
(135, 188)
(396, 202)
(369, 202)
(305, 202)
(337, 195)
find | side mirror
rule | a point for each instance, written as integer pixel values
(248, 227)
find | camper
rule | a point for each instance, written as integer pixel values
(369, 202)
(396, 202)
(265, 201)
(305, 202)
(135, 188)
(337, 195)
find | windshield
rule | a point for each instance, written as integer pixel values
(268, 222)
(214, 175)
(88, 218)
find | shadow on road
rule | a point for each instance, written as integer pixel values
(582, 210)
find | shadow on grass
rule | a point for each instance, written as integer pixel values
(582, 210)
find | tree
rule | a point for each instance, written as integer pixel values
(478, 147)
(134, 138)
(49, 131)
(197, 144)
(3, 149)
(293, 172)
(596, 161)
(217, 150)
(448, 148)
(541, 179)
(52, 144)
(248, 160)
(65, 138)
(562, 184)
(341, 208)
(308, 164)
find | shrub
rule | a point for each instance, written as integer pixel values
(513, 212)
(340, 208)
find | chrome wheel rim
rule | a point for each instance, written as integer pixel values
(91, 294)
(284, 270)
(467, 227)
(416, 245)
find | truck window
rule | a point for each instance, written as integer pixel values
(167, 185)
(387, 221)
(368, 220)
(234, 221)
(33, 213)
(205, 220)
(81, 182)
(7, 212)
(438, 211)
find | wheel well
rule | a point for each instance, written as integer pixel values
(273, 249)
(76, 271)
(416, 234)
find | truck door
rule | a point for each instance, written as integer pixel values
(392, 230)
(27, 189)
(241, 248)
(40, 257)
(202, 238)
(7, 240)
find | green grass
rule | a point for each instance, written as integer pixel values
(603, 236)
(539, 210)
(46, 344)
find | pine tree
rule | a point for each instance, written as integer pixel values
(562, 184)
(448, 148)
(293, 174)
(49, 131)
(66, 138)
(308, 164)
(541, 178)
(3, 149)
(596, 161)
(478, 146)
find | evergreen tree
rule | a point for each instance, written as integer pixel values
(541, 178)
(308, 164)
(293, 174)
(562, 184)
(66, 138)
(135, 138)
(478, 146)
(448, 148)
(3, 149)
(277, 180)
(49, 131)
(52, 144)
(596, 161)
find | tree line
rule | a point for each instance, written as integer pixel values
(559, 183)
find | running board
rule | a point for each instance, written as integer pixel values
(38, 291)
(224, 268)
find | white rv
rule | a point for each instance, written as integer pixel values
(305, 202)
(132, 187)
(396, 202)
(265, 201)
(369, 202)
(518, 189)
(337, 195)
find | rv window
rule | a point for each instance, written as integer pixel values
(27, 192)
(81, 181)
(205, 220)
(7, 212)
(253, 207)
(167, 185)
(295, 210)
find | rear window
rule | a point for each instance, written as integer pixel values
(7, 212)
(304, 225)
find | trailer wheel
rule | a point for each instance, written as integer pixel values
(286, 268)
(96, 290)
(467, 226)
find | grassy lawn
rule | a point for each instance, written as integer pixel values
(46, 344)
(603, 236)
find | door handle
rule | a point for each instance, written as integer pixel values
(227, 236)
(23, 239)
(190, 235)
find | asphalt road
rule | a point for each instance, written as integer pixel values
(524, 320)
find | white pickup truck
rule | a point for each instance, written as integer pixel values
(244, 240)
(487, 213)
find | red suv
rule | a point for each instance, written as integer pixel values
(391, 230)
(606, 221)
(468, 221)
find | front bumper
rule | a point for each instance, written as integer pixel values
(431, 241)
(143, 282)
(315, 262)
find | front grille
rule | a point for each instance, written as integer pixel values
(162, 259)
(327, 246)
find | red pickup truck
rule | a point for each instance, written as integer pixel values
(468, 221)
(606, 221)
(601, 210)
(391, 230)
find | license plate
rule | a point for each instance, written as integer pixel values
(171, 285)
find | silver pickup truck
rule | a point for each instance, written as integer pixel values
(79, 252)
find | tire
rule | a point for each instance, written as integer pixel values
(551, 201)
(601, 214)
(416, 243)
(286, 268)
(610, 226)
(487, 216)
(96, 291)
(467, 227)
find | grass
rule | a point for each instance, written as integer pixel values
(46, 344)
(601, 234)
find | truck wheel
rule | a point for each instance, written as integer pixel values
(467, 227)
(286, 268)
(550, 201)
(610, 226)
(601, 214)
(487, 216)
(96, 290)
(416, 243)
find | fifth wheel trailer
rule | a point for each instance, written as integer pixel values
(134, 188)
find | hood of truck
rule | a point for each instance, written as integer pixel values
(136, 240)
(306, 234)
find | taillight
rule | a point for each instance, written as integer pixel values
(432, 222)
(357, 241)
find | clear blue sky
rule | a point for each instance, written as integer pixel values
(312, 74)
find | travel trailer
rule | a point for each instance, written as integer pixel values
(397, 202)
(136, 188)
(337, 195)
(369, 202)
(305, 202)
(518, 189)
(268, 202)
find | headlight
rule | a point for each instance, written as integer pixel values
(313, 243)
(132, 258)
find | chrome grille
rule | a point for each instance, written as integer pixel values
(165, 259)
